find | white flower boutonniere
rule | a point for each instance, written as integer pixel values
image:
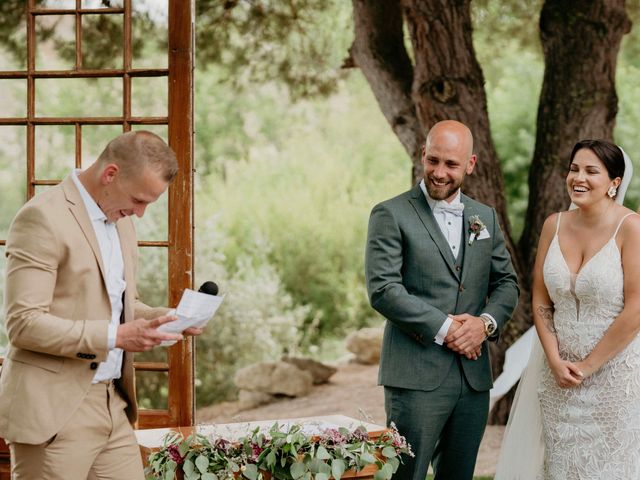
(475, 227)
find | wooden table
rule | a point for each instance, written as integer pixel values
(5, 464)
(151, 440)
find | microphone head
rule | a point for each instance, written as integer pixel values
(210, 288)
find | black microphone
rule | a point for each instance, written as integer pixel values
(210, 288)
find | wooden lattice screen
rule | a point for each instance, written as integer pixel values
(173, 80)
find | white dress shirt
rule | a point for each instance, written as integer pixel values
(113, 264)
(451, 227)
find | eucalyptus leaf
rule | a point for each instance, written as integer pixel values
(389, 452)
(322, 453)
(337, 468)
(188, 467)
(367, 458)
(250, 472)
(297, 470)
(202, 462)
(209, 476)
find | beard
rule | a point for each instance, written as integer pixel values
(441, 193)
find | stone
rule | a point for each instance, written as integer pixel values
(320, 372)
(249, 399)
(276, 378)
(366, 344)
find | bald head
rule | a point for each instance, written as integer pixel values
(135, 150)
(447, 158)
(451, 132)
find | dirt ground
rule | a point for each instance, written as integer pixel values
(353, 392)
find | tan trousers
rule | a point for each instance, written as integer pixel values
(98, 443)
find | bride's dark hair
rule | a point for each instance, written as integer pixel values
(608, 153)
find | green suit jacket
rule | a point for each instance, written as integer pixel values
(414, 282)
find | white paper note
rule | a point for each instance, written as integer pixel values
(194, 310)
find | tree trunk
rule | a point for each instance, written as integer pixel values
(580, 41)
(448, 84)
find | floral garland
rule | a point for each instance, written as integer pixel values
(280, 454)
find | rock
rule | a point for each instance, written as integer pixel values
(320, 372)
(248, 399)
(275, 378)
(365, 344)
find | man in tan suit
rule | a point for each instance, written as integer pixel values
(67, 396)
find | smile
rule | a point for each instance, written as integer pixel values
(580, 189)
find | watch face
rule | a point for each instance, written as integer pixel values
(489, 327)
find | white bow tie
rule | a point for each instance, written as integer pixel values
(446, 207)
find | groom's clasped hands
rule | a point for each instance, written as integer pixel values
(465, 335)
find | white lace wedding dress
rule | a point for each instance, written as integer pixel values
(591, 431)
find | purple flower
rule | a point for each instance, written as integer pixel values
(174, 454)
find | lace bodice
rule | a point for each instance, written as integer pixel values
(591, 431)
(586, 302)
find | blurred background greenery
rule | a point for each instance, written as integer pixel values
(292, 152)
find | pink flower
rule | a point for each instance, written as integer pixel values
(360, 434)
(334, 436)
(222, 444)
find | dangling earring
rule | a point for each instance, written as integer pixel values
(612, 191)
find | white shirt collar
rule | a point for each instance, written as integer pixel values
(432, 202)
(94, 211)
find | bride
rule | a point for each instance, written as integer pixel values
(576, 414)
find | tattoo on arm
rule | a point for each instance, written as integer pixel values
(546, 313)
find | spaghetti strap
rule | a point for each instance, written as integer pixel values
(620, 223)
(558, 223)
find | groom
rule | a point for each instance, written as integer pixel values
(437, 268)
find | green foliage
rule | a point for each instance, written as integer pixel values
(258, 319)
(311, 176)
(506, 22)
(285, 452)
(299, 44)
(102, 34)
(512, 96)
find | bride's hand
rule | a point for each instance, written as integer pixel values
(566, 374)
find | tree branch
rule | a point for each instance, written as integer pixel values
(378, 50)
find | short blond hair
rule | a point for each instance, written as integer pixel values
(135, 150)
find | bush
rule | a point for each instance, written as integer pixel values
(258, 319)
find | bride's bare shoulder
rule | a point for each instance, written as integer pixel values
(551, 222)
(630, 227)
(549, 228)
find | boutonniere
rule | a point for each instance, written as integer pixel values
(475, 227)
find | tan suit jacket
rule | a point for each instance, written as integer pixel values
(57, 313)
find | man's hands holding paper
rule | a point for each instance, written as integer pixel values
(192, 314)
(466, 335)
(141, 335)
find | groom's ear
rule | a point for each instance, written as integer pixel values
(472, 163)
